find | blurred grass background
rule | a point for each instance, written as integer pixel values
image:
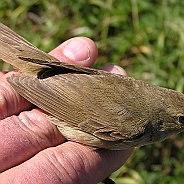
(145, 37)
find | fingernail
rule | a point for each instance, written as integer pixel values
(77, 50)
(119, 70)
(114, 69)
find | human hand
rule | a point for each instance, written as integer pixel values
(34, 151)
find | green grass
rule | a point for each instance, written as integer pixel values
(145, 37)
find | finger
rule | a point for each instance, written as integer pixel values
(69, 163)
(21, 137)
(79, 50)
(10, 101)
(2, 73)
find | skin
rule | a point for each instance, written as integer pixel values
(32, 148)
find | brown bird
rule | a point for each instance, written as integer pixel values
(89, 106)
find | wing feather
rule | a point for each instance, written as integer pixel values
(79, 101)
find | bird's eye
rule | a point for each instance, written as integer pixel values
(181, 119)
